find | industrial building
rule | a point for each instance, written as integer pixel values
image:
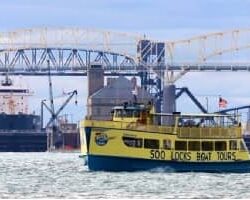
(102, 98)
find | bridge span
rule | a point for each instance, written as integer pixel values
(72, 50)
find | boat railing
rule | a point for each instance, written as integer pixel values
(150, 128)
(209, 132)
(131, 126)
(188, 132)
(182, 132)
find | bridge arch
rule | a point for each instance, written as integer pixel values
(205, 47)
(65, 46)
(73, 48)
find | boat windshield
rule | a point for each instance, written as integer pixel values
(129, 111)
(126, 113)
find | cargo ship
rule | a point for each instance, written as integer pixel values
(66, 137)
(20, 131)
(133, 140)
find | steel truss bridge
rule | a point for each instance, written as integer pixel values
(70, 50)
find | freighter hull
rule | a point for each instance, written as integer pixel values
(23, 141)
(21, 133)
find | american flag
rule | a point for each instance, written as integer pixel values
(222, 103)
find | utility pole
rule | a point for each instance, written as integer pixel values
(207, 103)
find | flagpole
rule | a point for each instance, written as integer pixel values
(219, 102)
(207, 103)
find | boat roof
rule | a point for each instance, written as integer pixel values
(143, 107)
(196, 114)
(130, 107)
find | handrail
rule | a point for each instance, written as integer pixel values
(209, 132)
(181, 132)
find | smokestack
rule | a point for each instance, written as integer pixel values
(95, 78)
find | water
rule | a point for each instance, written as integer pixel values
(63, 175)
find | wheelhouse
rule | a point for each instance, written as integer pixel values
(130, 113)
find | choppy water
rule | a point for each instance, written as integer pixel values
(63, 175)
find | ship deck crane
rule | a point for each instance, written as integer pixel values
(55, 114)
(51, 109)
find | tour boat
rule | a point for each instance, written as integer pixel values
(133, 141)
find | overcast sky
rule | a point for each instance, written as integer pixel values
(165, 19)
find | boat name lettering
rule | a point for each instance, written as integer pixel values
(181, 156)
(156, 154)
(203, 156)
(226, 155)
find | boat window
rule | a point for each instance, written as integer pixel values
(207, 146)
(132, 142)
(181, 145)
(220, 146)
(151, 144)
(98, 110)
(136, 113)
(194, 146)
(233, 145)
(128, 113)
(243, 146)
(166, 144)
(118, 113)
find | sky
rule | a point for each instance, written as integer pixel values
(159, 19)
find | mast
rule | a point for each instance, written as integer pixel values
(51, 136)
(51, 93)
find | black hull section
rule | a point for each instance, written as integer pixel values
(21, 133)
(23, 141)
(19, 122)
